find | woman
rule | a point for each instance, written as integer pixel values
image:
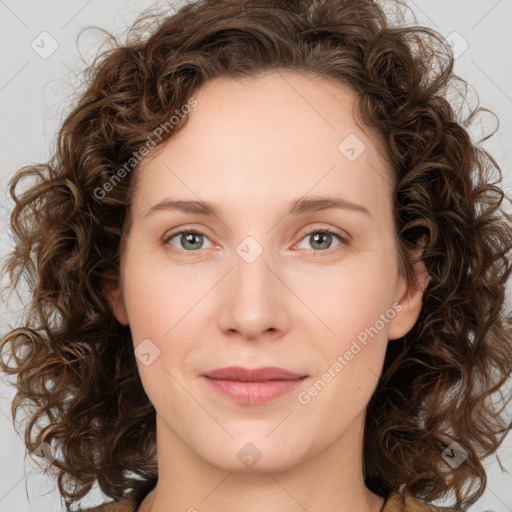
(268, 270)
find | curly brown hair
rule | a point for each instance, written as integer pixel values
(74, 363)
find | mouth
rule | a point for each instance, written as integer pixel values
(253, 386)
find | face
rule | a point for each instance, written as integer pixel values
(268, 279)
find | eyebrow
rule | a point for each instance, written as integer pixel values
(296, 207)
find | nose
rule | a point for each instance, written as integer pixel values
(255, 300)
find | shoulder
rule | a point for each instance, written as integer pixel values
(123, 505)
(131, 502)
(400, 502)
(396, 502)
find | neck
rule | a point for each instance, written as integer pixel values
(187, 482)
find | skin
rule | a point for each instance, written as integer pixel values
(251, 147)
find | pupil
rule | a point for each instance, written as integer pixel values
(321, 235)
(189, 237)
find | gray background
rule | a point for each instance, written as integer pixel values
(34, 92)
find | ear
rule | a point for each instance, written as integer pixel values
(112, 293)
(409, 296)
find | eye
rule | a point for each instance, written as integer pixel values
(189, 240)
(321, 240)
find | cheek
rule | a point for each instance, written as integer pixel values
(157, 312)
(157, 298)
(164, 309)
(357, 310)
(352, 296)
(356, 304)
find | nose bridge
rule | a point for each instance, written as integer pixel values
(255, 301)
(251, 264)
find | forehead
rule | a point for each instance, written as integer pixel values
(278, 136)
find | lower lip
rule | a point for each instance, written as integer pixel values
(254, 393)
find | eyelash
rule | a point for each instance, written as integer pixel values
(326, 252)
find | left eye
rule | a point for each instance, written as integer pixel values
(193, 240)
(322, 238)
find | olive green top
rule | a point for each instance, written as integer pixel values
(396, 502)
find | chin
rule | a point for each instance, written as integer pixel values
(258, 456)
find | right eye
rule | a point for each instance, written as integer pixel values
(189, 240)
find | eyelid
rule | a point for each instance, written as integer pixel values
(332, 231)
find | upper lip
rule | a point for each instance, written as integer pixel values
(252, 375)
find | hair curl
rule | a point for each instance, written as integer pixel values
(74, 362)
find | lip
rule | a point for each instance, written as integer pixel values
(253, 386)
(242, 374)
